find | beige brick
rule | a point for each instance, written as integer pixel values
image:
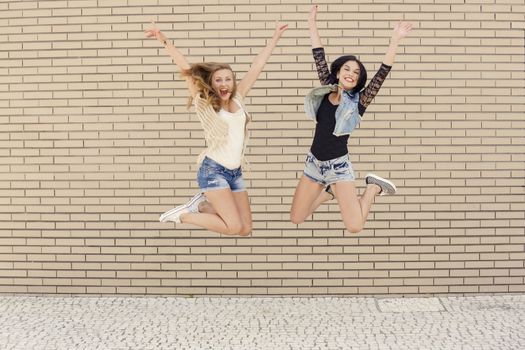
(493, 289)
(100, 290)
(42, 289)
(14, 289)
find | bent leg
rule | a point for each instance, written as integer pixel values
(206, 207)
(354, 210)
(305, 199)
(228, 219)
(243, 207)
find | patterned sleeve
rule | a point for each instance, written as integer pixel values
(320, 64)
(367, 95)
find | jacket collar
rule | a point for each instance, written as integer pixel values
(322, 90)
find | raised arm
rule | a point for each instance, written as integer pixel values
(260, 61)
(177, 57)
(321, 66)
(312, 25)
(401, 30)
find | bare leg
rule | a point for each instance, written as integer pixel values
(230, 217)
(306, 199)
(243, 205)
(241, 198)
(206, 207)
(323, 197)
(354, 209)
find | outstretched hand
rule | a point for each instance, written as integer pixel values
(154, 32)
(401, 29)
(313, 14)
(280, 28)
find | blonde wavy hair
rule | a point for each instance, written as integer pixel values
(202, 74)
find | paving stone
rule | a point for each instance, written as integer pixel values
(410, 305)
(120, 323)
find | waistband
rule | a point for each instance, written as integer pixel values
(208, 161)
(328, 162)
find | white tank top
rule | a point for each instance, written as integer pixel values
(229, 154)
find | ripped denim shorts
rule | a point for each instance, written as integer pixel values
(213, 176)
(329, 171)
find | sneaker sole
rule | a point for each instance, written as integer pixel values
(170, 212)
(387, 187)
(181, 207)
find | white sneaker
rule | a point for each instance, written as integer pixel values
(191, 207)
(193, 203)
(387, 187)
(174, 214)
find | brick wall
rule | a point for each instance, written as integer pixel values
(96, 142)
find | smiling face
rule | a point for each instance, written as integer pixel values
(349, 75)
(223, 83)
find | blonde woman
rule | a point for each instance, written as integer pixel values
(222, 205)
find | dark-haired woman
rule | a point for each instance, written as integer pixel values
(222, 204)
(337, 108)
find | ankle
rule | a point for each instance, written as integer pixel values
(374, 188)
(182, 217)
(205, 207)
(201, 207)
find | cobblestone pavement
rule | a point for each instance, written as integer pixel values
(78, 323)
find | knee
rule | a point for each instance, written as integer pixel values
(353, 227)
(234, 228)
(245, 230)
(296, 218)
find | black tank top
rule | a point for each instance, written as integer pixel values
(326, 145)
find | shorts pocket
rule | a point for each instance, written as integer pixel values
(341, 166)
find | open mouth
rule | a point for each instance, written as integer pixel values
(349, 80)
(224, 92)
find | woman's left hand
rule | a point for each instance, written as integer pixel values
(401, 29)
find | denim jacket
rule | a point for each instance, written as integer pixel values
(347, 116)
(352, 106)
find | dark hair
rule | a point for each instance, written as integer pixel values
(336, 65)
(202, 74)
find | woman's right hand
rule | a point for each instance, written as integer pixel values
(155, 33)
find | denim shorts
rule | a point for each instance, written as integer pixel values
(213, 176)
(329, 171)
